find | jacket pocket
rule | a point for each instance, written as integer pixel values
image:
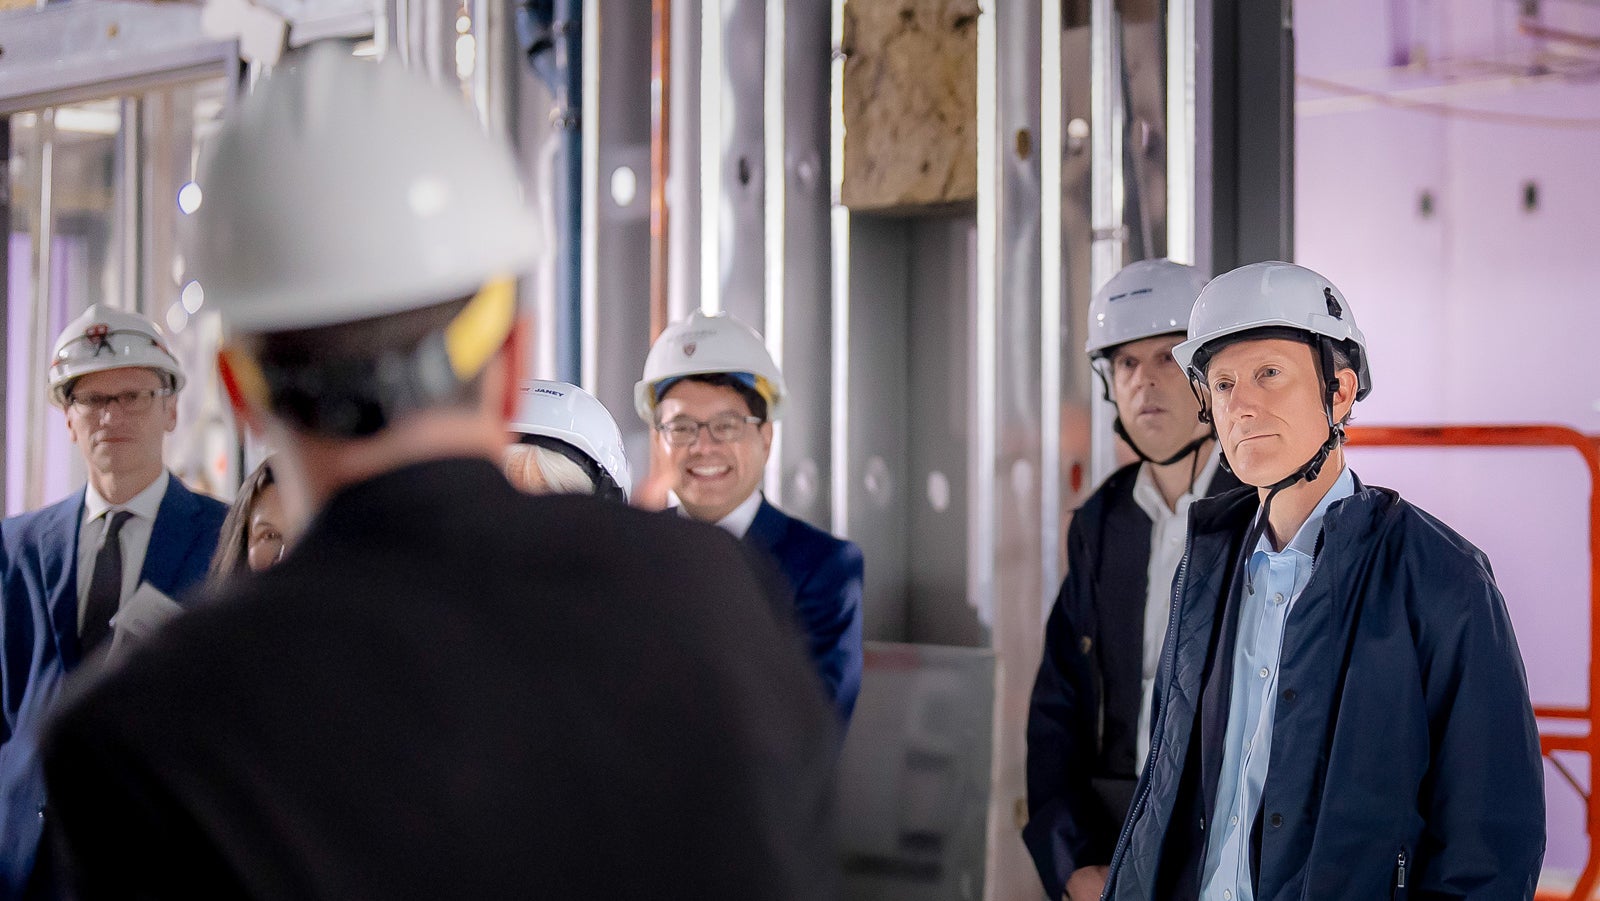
(1402, 875)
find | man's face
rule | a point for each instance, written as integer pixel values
(713, 477)
(114, 440)
(1153, 396)
(1266, 398)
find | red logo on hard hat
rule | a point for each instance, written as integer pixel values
(96, 336)
(688, 349)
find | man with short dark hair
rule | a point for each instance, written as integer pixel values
(66, 570)
(1089, 717)
(451, 689)
(711, 391)
(1341, 710)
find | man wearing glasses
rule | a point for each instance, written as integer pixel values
(65, 570)
(711, 391)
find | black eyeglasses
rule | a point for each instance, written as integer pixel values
(127, 401)
(682, 431)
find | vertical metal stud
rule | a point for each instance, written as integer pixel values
(1051, 299)
(589, 235)
(1180, 144)
(43, 176)
(5, 316)
(1109, 195)
(711, 155)
(839, 485)
(773, 143)
(1008, 534)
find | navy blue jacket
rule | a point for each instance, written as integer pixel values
(824, 573)
(1405, 757)
(39, 637)
(1084, 713)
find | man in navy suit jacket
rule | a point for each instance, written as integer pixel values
(711, 391)
(66, 569)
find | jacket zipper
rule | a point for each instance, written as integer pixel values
(1400, 873)
(1168, 666)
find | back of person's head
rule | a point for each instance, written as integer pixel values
(360, 235)
(567, 442)
(541, 470)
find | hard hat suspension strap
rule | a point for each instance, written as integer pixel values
(357, 397)
(1193, 447)
(604, 485)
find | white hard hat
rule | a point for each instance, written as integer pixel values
(1273, 295)
(707, 345)
(1145, 299)
(342, 190)
(105, 338)
(572, 415)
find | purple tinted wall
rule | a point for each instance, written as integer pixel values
(22, 377)
(19, 303)
(1480, 311)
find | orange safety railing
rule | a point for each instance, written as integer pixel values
(1586, 742)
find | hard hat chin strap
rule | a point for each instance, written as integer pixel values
(605, 487)
(1193, 447)
(1311, 469)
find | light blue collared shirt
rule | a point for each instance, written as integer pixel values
(1278, 578)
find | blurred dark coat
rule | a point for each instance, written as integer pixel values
(452, 690)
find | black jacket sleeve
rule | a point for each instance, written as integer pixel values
(1068, 827)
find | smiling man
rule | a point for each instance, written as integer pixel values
(1341, 710)
(65, 570)
(711, 391)
(1089, 719)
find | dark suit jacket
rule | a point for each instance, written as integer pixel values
(39, 637)
(449, 689)
(824, 573)
(1084, 713)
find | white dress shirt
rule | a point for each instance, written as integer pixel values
(1168, 527)
(135, 536)
(738, 521)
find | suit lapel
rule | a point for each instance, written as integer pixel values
(59, 565)
(767, 529)
(171, 537)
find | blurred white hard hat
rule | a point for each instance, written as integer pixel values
(343, 189)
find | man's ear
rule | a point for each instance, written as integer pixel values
(1345, 397)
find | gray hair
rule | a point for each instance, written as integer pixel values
(562, 475)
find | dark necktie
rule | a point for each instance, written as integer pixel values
(105, 586)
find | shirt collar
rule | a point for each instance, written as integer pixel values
(738, 521)
(1147, 494)
(145, 504)
(1305, 540)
